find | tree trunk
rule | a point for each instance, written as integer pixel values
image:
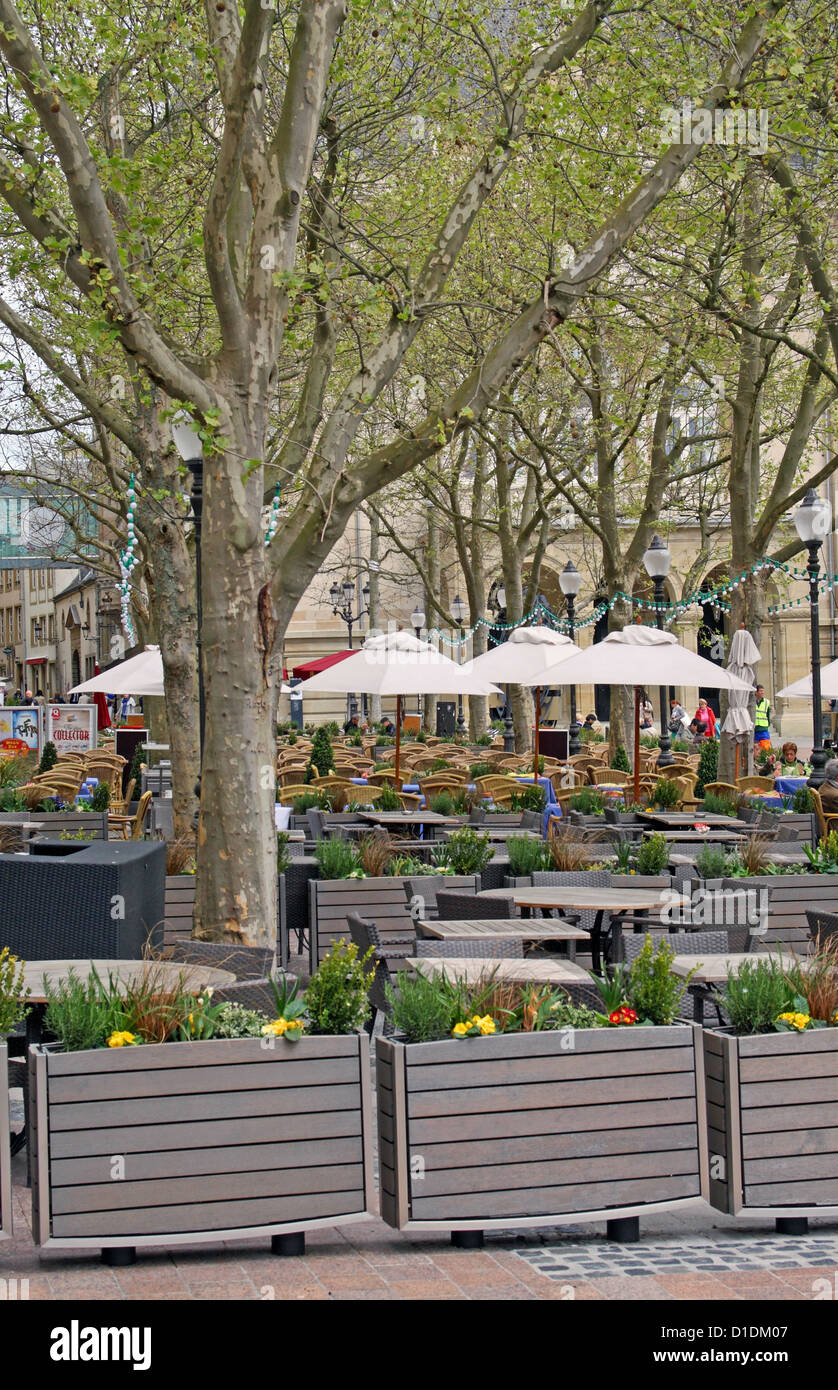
(236, 897)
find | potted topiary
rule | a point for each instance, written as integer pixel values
(771, 1078)
(504, 1106)
(160, 1117)
(13, 996)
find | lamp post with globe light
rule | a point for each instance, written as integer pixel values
(189, 446)
(418, 618)
(342, 597)
(496, 602)
(812, 523)
(656, 561)
(458, 613)
(570, 582)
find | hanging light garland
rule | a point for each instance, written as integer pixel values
(128, 561)
(273, 518)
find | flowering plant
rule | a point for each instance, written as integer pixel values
(289, 1023)
(798, 1019)
(124, 1039)
(623, 1015)
(474, 1027)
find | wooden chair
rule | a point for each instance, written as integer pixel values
(755, 784)
(120, 808)
(67, 789)
(826, 820)
(34, 793)
(132, 826)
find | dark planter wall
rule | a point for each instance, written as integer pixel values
(5, 1156)
(98, 899)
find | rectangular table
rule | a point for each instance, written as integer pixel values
(713, 971)
(712, 836)
(520, 928)
(548, 972)
(685, 820)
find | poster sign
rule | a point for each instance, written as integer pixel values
(71, 727)
(19, 725)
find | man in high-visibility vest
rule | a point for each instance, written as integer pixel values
(762, 720)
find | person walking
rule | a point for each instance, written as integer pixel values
(706, 717)
(762, 720)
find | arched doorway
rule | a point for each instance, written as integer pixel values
(75, 668)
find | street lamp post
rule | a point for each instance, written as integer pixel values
(418, 619)
(189, 446)
(570, 582)
(458, 613)
(812, 521)
(497, 603)
(342, 596)
(657, 560)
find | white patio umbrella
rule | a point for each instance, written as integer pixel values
(528, 651)
(802, 689)
(744, 655)
(640, 656)
(397, 663)
(139, 675)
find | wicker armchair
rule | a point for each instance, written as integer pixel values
(610, 775)
(822, 925)
(365, 934)
(755, 784)
(251, 994)
(245, 962)
(468, 907)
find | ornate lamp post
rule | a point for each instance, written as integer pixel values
(342, 597)
(189, 446)
(812, 523)
(657, 560)
(496, 602)
(458, 613)
(418, 618)
(570, 582)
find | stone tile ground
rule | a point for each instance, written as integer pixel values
(692, 1255)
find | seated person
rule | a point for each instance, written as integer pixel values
(388, 726)
(592, 723)
(696, 734)
(351, 725)
(789, 765)
(829, 788)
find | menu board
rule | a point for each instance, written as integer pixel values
(71, 727)
(19, 729)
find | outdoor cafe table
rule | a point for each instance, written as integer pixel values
(614, 901)
(711, 971)
(418, 818)
(196, 977)
(491, 929)
(714, 836)
(686, 820)
(548, 972)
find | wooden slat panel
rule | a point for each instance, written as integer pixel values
(237, 1158)
(172, 1081)
(777, 1044)
(719, 1195)
(506, 1177)
(769, 1118)
(712, 1044)
(150, 1138)
(546, 1201)
(570, 1067)
(480, 1127)
(794, 1091)
(543, 1147)
(213, 1216)
(286, 1100)
(808, 1064)
(717, 1142)
(797, 1168)
(715, 1116)
(387, 1153)
(714, 1066)
(715, 1092)
(497, 1099)
(821, 1193)
(790, 1141)
(220, 1051)
(585, 1040)
(208, 1188)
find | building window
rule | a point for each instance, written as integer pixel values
(51, 627)
(89, 663)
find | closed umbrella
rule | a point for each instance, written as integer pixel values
(640, 656)
(528, 652)
(397, 663)
(738, 724)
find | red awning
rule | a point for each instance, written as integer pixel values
(311, 668)
(36, 661)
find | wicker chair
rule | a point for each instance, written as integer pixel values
(822, 925)
(826, 821)
(468, 907)
(365, 934)
(131, 827)
(290, 774)
(363, 796)
(443, 782)
(471, 948)
(725, 789)
(34, 793)
(604, 775)
(755, 784)
(410, 801)
(573, 878)
(245, 962)
(288, 795)
(251, 994)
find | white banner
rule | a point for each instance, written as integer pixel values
(71, 727)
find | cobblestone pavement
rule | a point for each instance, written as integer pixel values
(692, 1255)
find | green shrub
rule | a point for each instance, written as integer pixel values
(78, 1013)
(679, 745)
(720, 805)
(588, 801)
(306, 801)
(336, 859)
(666, 793)
(526, 855)
(11, 800)
(337, 997)
(235, 1021)
(620, 761)
(465, 852)
(755, 994)
(13, 996)
(529, 797)
(49, 757)
(136, 769)
(420, 1009)
(442, 803)
(387, 799)
(802, 801)
(480, 770)
(321, 757)
(101, 798)
(653, 855)
(708, 764)
(283, 854)
(711, 861)
(653, 992)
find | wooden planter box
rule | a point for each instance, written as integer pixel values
(789, 895)
(380, 900)
(95, 823)
(526, 1130)
(179, 903)
(219, 1140)
(5, 1148)
(771, 1123)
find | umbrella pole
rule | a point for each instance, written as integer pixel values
(537, 722)
(636, 745)
(398, 739)
(736, 760)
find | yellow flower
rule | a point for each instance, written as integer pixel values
(460, 1029)
(486, 1025)
(795, 1020)
(121, 1039)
